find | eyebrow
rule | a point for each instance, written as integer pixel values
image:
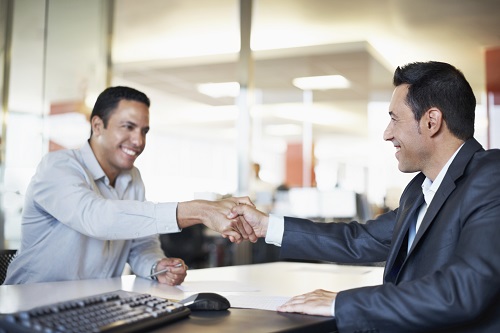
(128, 122)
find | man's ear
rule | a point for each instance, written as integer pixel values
(97, 125)
(433, 121)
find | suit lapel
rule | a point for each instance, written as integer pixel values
(400, 240)
(439, 199)
(447, 186)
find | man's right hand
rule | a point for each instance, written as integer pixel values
(213, 214)
(255, 218)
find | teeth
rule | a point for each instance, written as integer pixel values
(129, 152)
(398, 149)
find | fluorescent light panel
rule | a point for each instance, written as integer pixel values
(321, 82)
(218, 90)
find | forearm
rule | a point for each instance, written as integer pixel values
(193, 212)
(144, 253)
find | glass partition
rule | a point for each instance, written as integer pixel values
(58, 64)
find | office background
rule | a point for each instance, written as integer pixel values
(323, 144)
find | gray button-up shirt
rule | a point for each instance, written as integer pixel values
(76, 226)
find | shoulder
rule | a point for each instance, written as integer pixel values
(57, 156)
(490, 154)
(60, 162)
(481, 176)
(485, 160)
(54, 158)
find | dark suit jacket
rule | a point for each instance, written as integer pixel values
(450, 280)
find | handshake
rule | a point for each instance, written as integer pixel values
(235, 218)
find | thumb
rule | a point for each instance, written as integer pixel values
(235, 212)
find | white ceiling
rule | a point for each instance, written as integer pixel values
(166, 47)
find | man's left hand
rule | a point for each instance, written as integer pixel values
(177, 271)
(318, 302)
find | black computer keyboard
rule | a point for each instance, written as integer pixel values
(118, 311)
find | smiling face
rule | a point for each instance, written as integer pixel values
(413, 149)
(117, 146)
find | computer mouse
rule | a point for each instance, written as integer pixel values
(206, 302)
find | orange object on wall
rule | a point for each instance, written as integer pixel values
(492, 87)
(294, 166)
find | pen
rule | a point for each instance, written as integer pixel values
(164, 270)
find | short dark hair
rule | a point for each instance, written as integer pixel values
(108, 100)
(440, 85)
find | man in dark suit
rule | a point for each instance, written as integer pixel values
(441, 246)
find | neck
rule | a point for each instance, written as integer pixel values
(442, 155)
(107, 171)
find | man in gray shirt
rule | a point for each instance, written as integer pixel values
(85, 214)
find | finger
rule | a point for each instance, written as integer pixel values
(289, 308)
(237, 210)
(236, 241)
(230, 232)
(180, 271)
(175, 278)
(248, 230)
(163, 278)
(244, 201)
(238, 226)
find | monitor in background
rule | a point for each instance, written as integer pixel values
(309, 202)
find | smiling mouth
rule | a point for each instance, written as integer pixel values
(130, 152)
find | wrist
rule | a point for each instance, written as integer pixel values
(153, 270)
(265, 225)
(189, 213)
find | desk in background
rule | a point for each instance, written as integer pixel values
(270, 279)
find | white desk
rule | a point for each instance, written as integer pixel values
(271, 279)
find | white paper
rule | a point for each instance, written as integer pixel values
(260, 302)
(214, 286)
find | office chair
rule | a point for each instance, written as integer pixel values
(6, 257)
(189, 245)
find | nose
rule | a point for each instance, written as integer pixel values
(387, 136)
(138, 138)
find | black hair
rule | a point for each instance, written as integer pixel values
(108, 100)
(440, 85)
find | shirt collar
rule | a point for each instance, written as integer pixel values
(91, 162)
(429, 187)
(95, 168)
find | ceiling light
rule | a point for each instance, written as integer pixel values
(321, 82)
(218, 90)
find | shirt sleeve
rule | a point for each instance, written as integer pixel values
(144, 253)
(63, 189)
(275, 230)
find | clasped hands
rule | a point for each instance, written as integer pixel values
(242, 220)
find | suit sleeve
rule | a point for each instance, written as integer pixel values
(338, 242)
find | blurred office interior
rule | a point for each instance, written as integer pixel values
(222, 76)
